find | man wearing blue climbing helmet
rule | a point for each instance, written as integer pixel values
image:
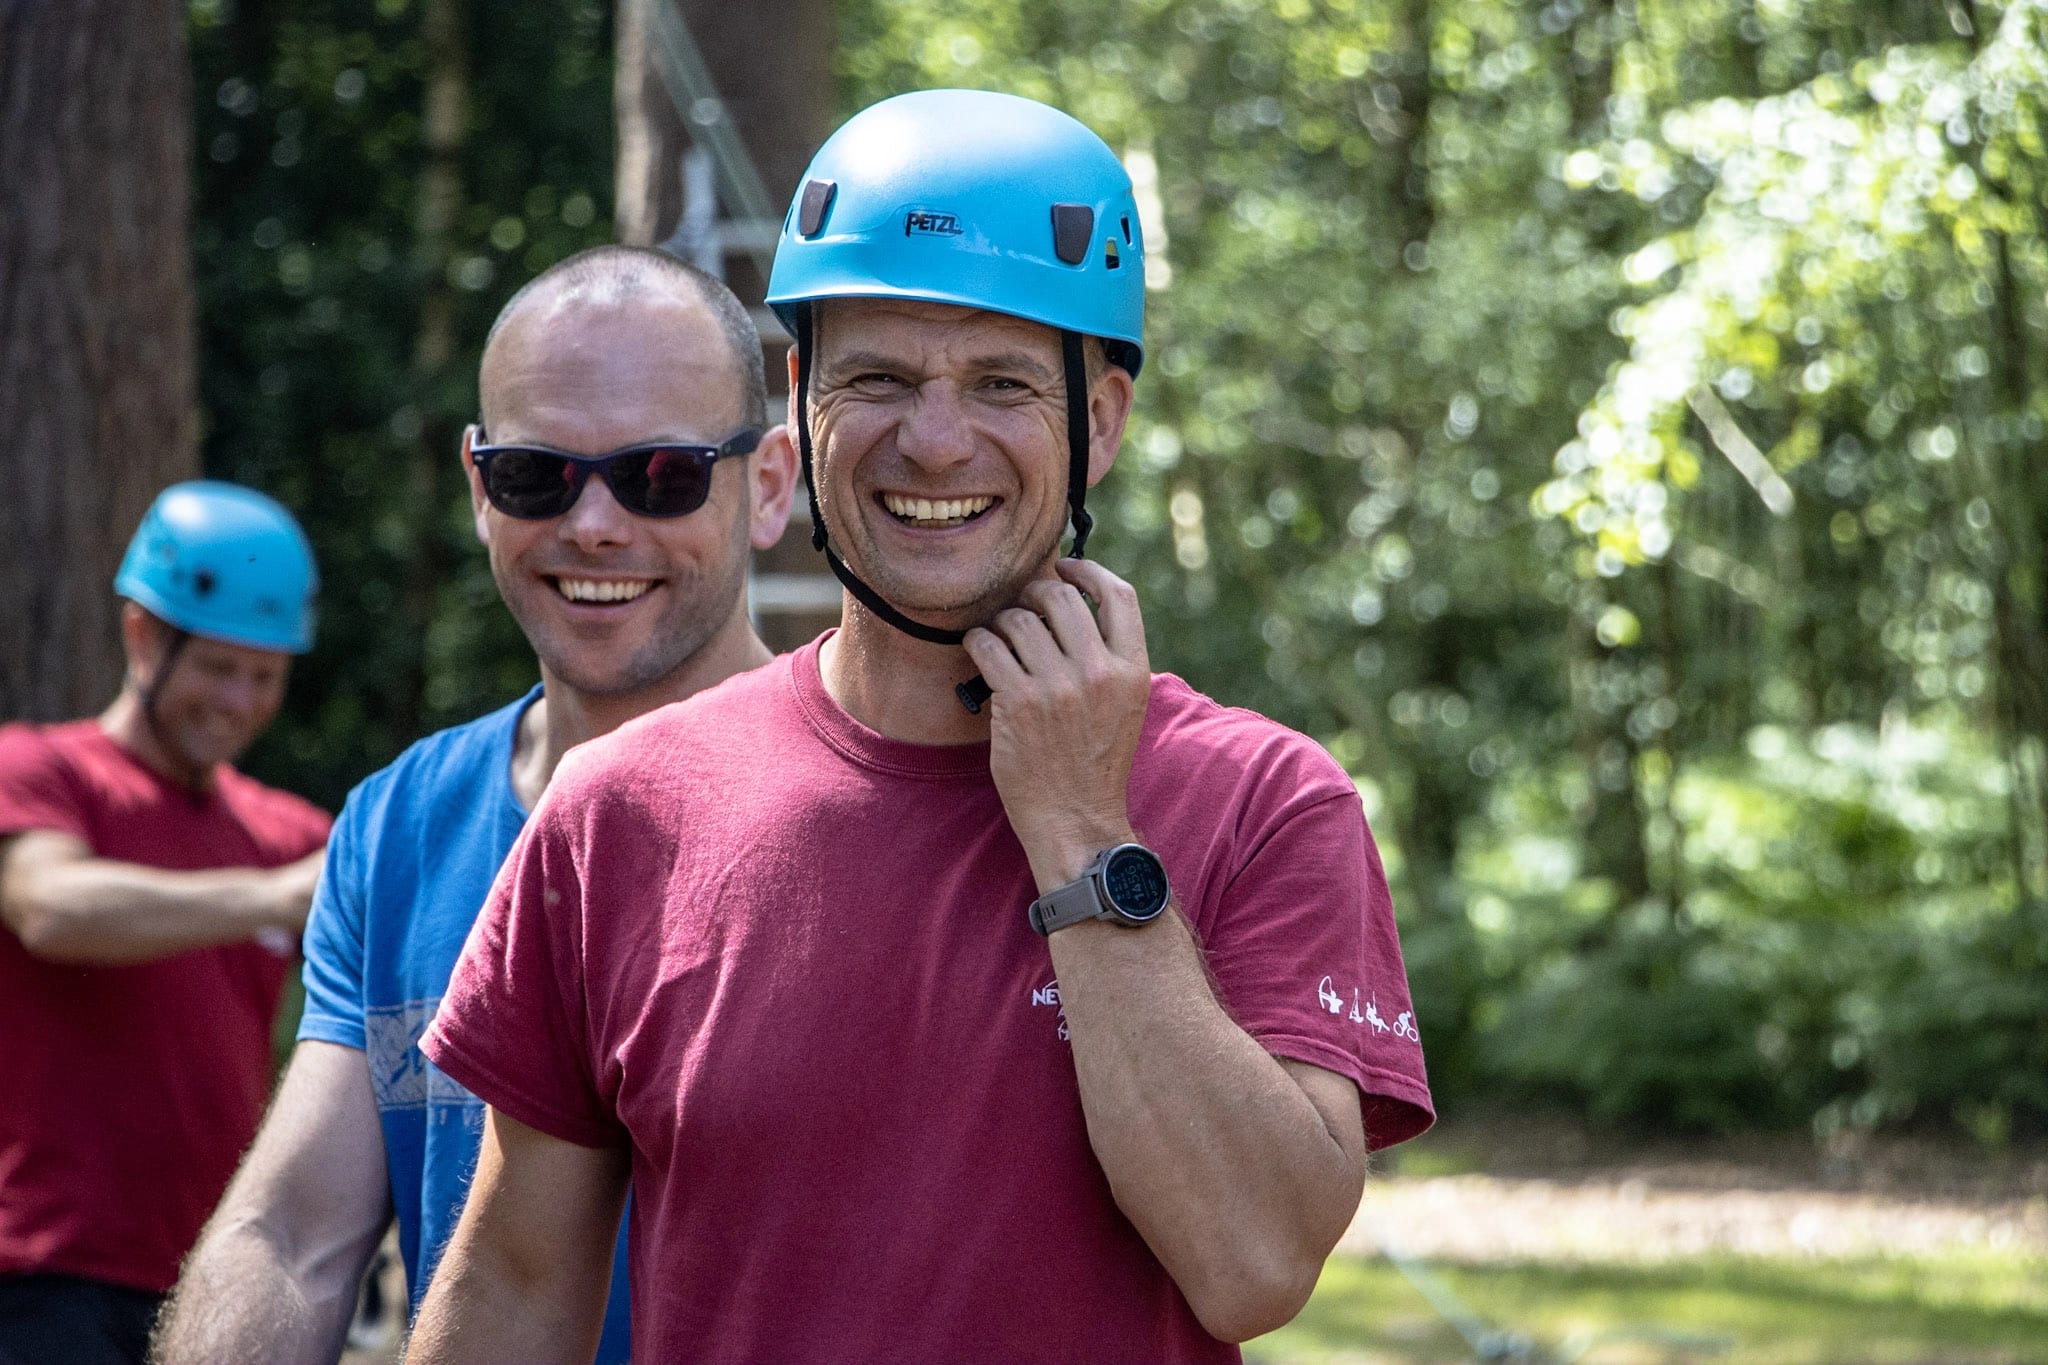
(907, 204)
(927, 1031)
(221, 586)
(151, 898)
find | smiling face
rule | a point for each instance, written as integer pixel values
(615, 603)
(940, 440)
(212, 701)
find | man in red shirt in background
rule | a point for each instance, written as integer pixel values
(152, 898)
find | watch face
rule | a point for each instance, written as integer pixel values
(1135, 882)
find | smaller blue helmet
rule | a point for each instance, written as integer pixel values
(224, 562)
(972, 198)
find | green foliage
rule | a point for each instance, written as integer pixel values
(1845, 947)
(1597, 421)
(1614, 427)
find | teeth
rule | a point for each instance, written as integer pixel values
(601, 590)
(942, 512)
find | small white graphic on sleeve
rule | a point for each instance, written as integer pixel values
(1364, 1010)
(1049, 995)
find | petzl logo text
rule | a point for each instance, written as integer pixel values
(923, 222)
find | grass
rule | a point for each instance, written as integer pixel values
(1977, 1308)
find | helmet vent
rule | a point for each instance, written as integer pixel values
(1110, 260)
(1126, 221)
(203, 582)
(1072, 227)
(817, 202)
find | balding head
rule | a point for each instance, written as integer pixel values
(645, 289)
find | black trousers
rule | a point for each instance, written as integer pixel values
(66, 1320)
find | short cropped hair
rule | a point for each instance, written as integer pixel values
(632, 269)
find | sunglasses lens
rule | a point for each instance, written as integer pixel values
(661, 481)
(530, 483)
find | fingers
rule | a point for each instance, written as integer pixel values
(1064, 613)
(1052, 627)
(991, 654)
(1117, 617)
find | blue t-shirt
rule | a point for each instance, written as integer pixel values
(409, 865)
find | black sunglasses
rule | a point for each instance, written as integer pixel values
(660, 479)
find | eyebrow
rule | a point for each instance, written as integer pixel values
(1013, 362)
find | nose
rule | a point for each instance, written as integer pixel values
(238, 694)
(596, 519)
(935, 433)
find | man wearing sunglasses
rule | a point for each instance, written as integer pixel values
(619, 477)
(1041, 1015)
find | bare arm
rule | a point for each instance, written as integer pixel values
(275, 1273)
(526, 1275)
(65, 905)
(1240, 1170)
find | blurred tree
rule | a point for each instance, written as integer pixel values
(772, 65)
(96, 328)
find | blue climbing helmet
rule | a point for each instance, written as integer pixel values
(979, 200)
(224, 562)
(973, 198)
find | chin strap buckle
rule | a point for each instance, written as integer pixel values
(973, 693)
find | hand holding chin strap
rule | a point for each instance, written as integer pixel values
(1074, 362)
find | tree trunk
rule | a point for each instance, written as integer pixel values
(772, 64)
(97, 332)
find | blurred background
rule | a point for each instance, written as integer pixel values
(1614, 428)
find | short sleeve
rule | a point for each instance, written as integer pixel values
(334, 937)
(1305, 955)
(512, 1027)
(38, 790)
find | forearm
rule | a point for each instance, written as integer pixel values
(275, 1273)
(1213, 1151)
(105, 912)
(525, 1275)
(481, 1308)
(248, 1297)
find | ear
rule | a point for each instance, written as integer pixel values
(1109, 410)
(479, 505)
(772, 476)
(141, 642)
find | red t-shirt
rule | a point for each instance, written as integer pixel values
(127, 1093)
(787, 960)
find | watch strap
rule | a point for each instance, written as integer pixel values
(1078, 900)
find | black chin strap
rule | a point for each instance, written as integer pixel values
(173, 647)
(1074, 361)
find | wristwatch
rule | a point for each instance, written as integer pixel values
(1125, 885)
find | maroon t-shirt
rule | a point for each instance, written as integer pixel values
(127, 1093)
(787, 961)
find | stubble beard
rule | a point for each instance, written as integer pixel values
(700, 609)
(997, 589)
